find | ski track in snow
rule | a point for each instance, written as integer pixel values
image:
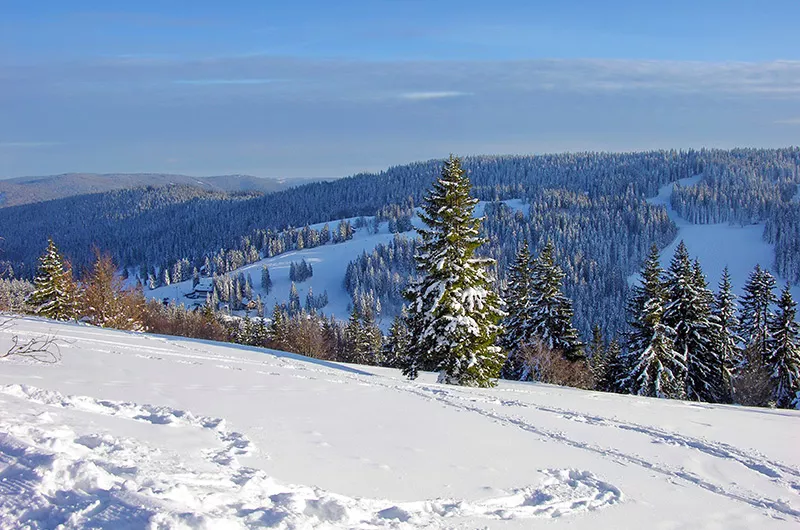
(249, 495)
(50, 476)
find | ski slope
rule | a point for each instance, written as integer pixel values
(718, 245)
(144, 431)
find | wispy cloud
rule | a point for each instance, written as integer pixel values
(224, 81)
(421, 96)
(26, 145)
(789, 121)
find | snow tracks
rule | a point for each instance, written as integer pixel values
(53, 476)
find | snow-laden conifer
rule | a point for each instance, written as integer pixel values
(55, 295)
(784, 353)
(756, 313)
(518, 308)
(453, 312)
(687, 311)
(550, 310)
(727, 340)
(655, 368)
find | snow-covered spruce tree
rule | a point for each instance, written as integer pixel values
(726, 340)
(453, 314)
(615, 371)
(655, 368)
(756, 314)
(784, 353)
(396, 345)
(687, 311)
(56, 294)
(752, 383)
(278, 327)
(518, 308)
(597, 352)
(363, 338)
(550, 310)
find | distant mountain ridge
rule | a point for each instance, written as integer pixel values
(27, 190)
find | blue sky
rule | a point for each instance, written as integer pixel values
(332, 88)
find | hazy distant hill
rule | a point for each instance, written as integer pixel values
(26, 190)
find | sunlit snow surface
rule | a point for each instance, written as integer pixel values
(718, 245)
(143, 431)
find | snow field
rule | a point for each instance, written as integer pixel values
(718, 245)
(138, 431)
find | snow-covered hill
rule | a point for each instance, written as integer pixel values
(328, 261)
(718, 245)
(138, 431)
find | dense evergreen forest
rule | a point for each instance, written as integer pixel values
(590, 205)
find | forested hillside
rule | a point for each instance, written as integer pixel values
(27, 190)
(591, 205)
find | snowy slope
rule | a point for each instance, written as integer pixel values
(328, 261)
(134, 430)
(740, 248)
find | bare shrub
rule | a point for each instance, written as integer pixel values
(549, 366)
(42, 348)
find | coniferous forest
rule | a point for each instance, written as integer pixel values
(562, 265)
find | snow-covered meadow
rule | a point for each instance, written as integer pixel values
(138, 431)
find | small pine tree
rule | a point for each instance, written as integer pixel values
(357, 346)
(278, 328)
(294, 300)
(396, 345)
(616, 370)
(56, 294)
(453, 313)
(726, 344)
(597, 353)
(266, 281)
(784, 357)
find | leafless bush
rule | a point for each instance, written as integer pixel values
(42, 348)
(550, 366)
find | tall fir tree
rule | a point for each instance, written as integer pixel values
(597, 353)
(727, 340)
(454, 314)
(756, 314)
(687, 311)
(518, 308)
(784, 353)
(654, 367)
(56, 294)
(551, 311)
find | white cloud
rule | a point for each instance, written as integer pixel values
(788, 121)
(421, 96)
